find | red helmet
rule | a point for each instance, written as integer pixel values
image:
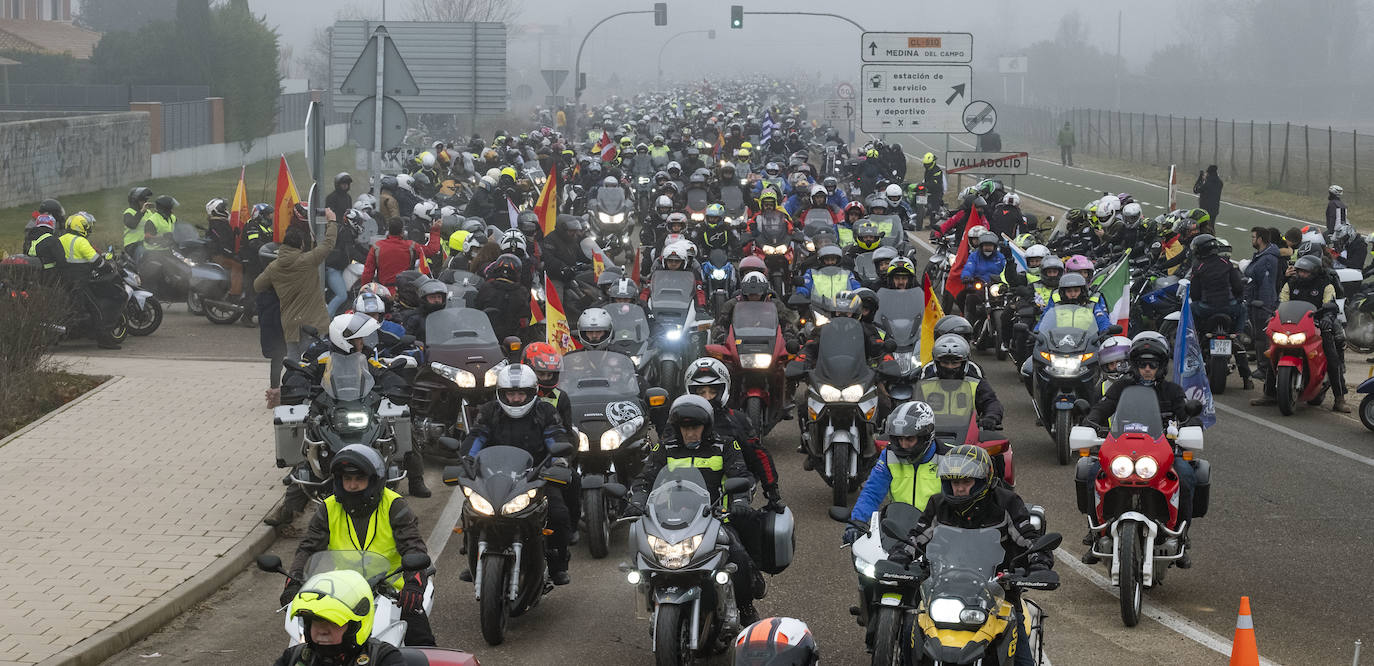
(544, 359)
(752, 264)
(854, 205)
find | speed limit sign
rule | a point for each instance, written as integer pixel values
(844, 91)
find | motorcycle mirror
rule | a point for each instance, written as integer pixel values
(736, 485)
(405, 341)
(1081, 406)
(1330, 307)
(657, 397)
(512, 344)
(795, 369)
(415, 561)
(561, 449)
(839, 514)
(270, 563)
(311, 331)
(893, 529)
(452, 473)
(797, 300)
(450, 443)
(615, 489)
(1047, 542)
(1114, 329)
(793, 347)
(398, 363)
(1193, 407)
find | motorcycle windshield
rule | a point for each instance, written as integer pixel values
(347, 377)
(678, 497)
(755, 320)
(1138, 412)
(829, 281)
(817, 217)
(771, 228)
(1068, 326)
(501, 469)
(672, 291)
(732, 198)
(463, 283)
(642, 167)
(534, 172)
(958, 554)
(900, 312)
(365, 562)
(1292, 312)
(184, 232)
(952, 402)
(611, 199)
(889, 224)
(817, 227)
(840, 353)
(458, 326)
(603, 373)
(629, 326)
(697, 198)
(865, 268)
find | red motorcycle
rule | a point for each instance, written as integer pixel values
(1295, 351)
(757, 357)
(1129, 492)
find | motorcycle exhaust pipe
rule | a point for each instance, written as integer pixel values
(221, 304)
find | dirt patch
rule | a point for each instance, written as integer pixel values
(43, 392)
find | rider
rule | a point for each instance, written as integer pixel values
(957, 326)
(547, 364)
(504, 298)
(1114, 358)
(901, 274)
(715, 234)
(1220, 290)
(140, 203)
(906, 472)
(519, 418)
(692, 441)
(951, 361)
(364, 515)
(934, 179)
(754, 287)
(1308, 282)
(710, 379)
(986, 265)
(1149, 358)
(337, 610)
(828, 257)
(844, 229)
(1073, 290)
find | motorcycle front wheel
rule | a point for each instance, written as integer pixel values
(839, 475)
(887, 628)
(672, 635)
(753, 409)
(493, 609)
(1132, 586)
(194, 305)
(143, 322)
(222, 314)
(1063, 423)
(1287, 384)
(1367, 411)
(598, 524)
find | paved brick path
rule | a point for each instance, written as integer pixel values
(122, 497)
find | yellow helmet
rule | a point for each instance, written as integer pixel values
(342, 597)
(742, 152)
(872, 152)
(928, 159)
(746, 146)
(82, 223)
(510, 171)
(458, 240)
(768, 194)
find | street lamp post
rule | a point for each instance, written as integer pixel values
(712, 34)
(577, 67)
(842, 18)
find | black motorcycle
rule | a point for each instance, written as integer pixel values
(185, 273)
(672, 299)
(610, 219)
(1064, 370)
(462, 358)
(900, 312)
(842, 409)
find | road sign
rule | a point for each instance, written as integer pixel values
(979, 117)
(466, 77)
(844, 91)
(554, 77)
(1012, 64)
(555, 101)
(916, 47)
(361, 126)
(839, 110)
(396, 77)
(991, 164)
(914, 99)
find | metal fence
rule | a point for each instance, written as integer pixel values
(185, 124)
(1281, 156)
(53, 96)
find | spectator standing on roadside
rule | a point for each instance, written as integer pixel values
(1066, 145)
(1335, 209)
(295, 276)
(1208, 191)
(340, 200)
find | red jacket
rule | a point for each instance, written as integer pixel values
(394, 254)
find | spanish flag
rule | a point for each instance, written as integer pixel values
(953, 284)
(238, 210)
(285, 201)
(555, 322)
(536, 310)
(547, 205)
(932, 314)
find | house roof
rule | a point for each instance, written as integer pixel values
(48, 37)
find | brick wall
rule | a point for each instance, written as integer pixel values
(56, 156)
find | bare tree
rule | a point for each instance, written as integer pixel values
(496, 11)
(314, 60)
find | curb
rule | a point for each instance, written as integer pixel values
(153, 616)
(50, 415)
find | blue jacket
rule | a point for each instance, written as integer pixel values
(875, 487)
(987, 268)
(838, 200)
(1263, 271)
(808, 285)
(793, 204)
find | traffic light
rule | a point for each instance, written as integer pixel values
(736, 16)
(660, 13)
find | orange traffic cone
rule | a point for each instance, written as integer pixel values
(1244, 651)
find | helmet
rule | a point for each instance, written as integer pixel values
(544, 360)
(358, 459)
(1077, 263)
(1114, 356)
(848, 303)
(513, 378)
(715, 212)
(1037, 251)
(346, 328)
(950, 347)
(406, 182)
(428, 288)
(776, 641)
(1335, 190)
(506, 267)
(341, 597)
(854, 206)
(623, 288)
(376, 288)
(664, 201)
(1309, 263)
(139, 195)
(987, 237)
(369, 304)
(770, 195)
(872, 152)
(594, 320)
(1108, 206)
(610, 181)
(709, 372)
(671, 166)
(83, 223)
(893, 193)
(976, 230)
(677, 251)
(928, 159)
(45, 220)
(1070, 280)
(53, 208)
(868, 300)
(1183, 224)
(831, 251)
(953, 324)
(1204, 245)
(1342, 235)
(1149, 347)
(342, 177)
(216, 207)
(901, 266)
(1131, 213)
(960, 463)
(818, 189)
(754, 284)
(830, 183)
(911, 419)
(1011, 199)
(752, 264)
(1051, 269)
(691, 410)
(772, 169)
(512, 240)
(427, 211)
(884, 254)
(868, 229)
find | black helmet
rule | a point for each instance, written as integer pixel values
(1149, 347)
(867, 300)
(358, 459)
(342, 177)
(389, 183)
(1309, 263)
(165, 202)
(1204, 245)
(966, 461)
(53, 208)
(139, 195)
(691, 410)
(953, 324)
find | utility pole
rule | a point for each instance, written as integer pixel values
(711, 35)
(1118, 60)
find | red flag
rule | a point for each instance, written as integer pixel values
(536, 311)
(634, 270)
(609, 153)
(547, 205)
(953, 284)
(557, 332)
(285, 201)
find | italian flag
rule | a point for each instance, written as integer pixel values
(1116, 289)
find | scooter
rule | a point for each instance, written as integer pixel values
(1295, 352)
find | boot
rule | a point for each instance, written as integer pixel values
(557, 560)
(1340, 406)
(415, 474)
(747, 614)
(760, 585)
(1264, 401)
(279, 515)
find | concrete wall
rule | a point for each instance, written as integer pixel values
(56, 156)
(216, 156)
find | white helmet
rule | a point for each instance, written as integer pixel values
(512, 239)
(518, 377)
(427, 211)
(664, 201)
(610, 181)
(1108, 206)
(366, 203)
(406, 182)
(1012, 199)
(369, 304)
(427, 160)
(893, 193)
(818, 189)
(1131, 213)
(594, 320)
(212, 205)
(1114, 350)
(1336, 190)
(976, 230)
(346, 328)
(1037, 251)
(677, 250)
(708, 371)
(673, 165)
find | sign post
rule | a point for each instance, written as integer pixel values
(916, 47)
(379, 68)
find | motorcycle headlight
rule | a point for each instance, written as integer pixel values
(995, 289)
(756, 361)
(611, 440)
(351, 421)
(490, 378)
(1297, 338)
(946, 610)
(1146, 467)
(635, 359)
(830, 393)
(718, 274)
(1122, 467)
(821, 318)
(698, 217)
(479, 503)
(582, 443)
(519, 503)
(673, 334)
(1065, 365)
(1280, 338)
(459, 376)
(617, 218)
(852, 393)
(604, 217)
(973, 616)
(810, 246)
(674, 555)
(643, 180)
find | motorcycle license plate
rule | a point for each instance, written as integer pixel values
(1222, 347)
(922, 199)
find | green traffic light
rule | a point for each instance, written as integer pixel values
(736, 17)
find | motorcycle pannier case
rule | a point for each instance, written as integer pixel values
(289, 423)
(1202, 493)
(1085, 475)
(779, 541)
(399, 418)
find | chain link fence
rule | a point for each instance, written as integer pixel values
(1281, 156)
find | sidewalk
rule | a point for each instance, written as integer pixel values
(126, 494)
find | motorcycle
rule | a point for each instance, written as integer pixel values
(899, 313)
(611, 427)
(1366, 388)
(996, 302)
(610, 219)
(1064, 369)
(842, 410)
(697, 197)
(461, 285)
(736, 206)
(630, 335)
(937, 269)
(344, 406)
(503, 521)
(98, 308)
(1295, 352)
(681, 567)
(462, 358)
(956, 422)
(718, 274)
(1218, 345)
(142, 312)
(642, 179)
(1124, 484)
(672, 299)
(176, 274)
(894, 235)
(773, 244)
(754, 350)
(888, 592)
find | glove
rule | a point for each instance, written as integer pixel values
(1101, 430)
(632, 510)
(774, 499)
(740, 507)
(900, 557)
(413, 594)
(567, 273)
(851, 534)
(1039, 562)
(989, 423)
(293, 587)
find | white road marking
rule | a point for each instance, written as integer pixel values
(443, 529)
(1306, 439)
(1175, 622)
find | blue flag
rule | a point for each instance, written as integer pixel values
(767, 127)
(1190, 371)
(1159, 294)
